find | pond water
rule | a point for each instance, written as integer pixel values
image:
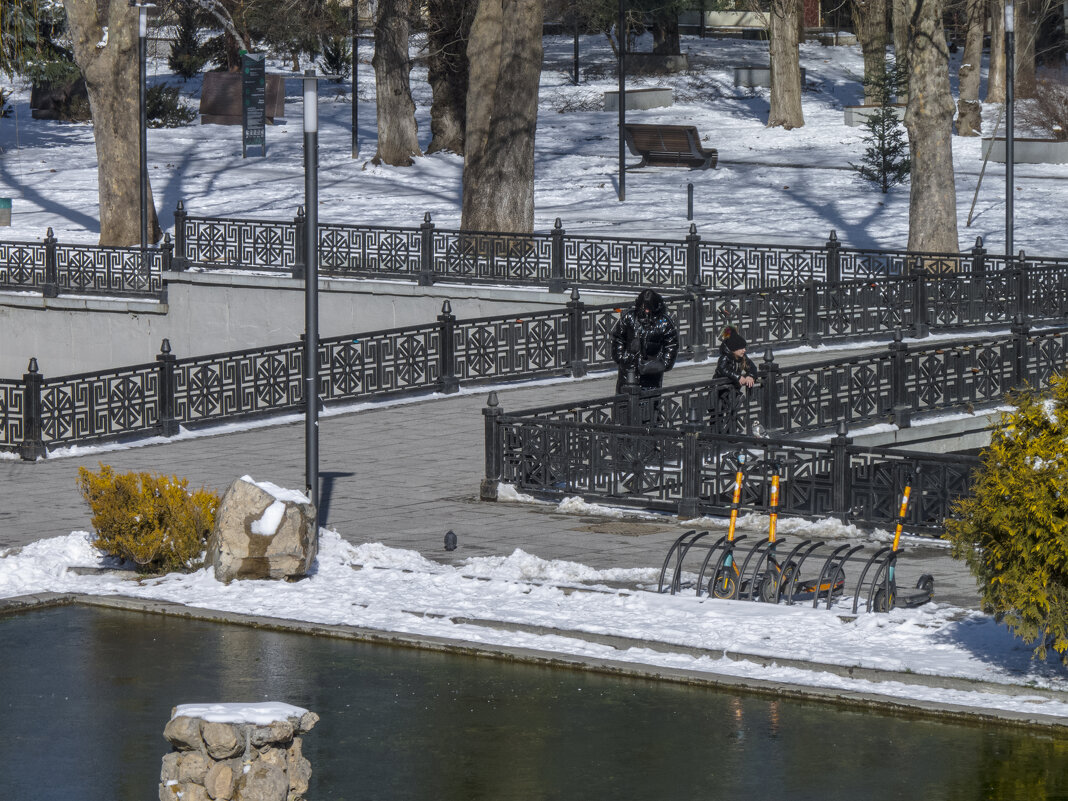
(86, 694)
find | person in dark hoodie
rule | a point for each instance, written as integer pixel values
(645, 338)
(735, 366)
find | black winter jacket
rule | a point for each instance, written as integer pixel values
(648, 343)
(732, 368)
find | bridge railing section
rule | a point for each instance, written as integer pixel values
(53, 269)
(689, 470)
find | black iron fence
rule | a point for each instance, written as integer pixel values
(689, 470)
(552, 259)
(54, 269)
(672, 450)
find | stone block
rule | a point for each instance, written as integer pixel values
(262, 532)
(222, 741)
(219, 781)
(1028, 151)
(193, 767)
(640, 99)
(184, 733)
(756, 75)
(855, 116)
(261, 782)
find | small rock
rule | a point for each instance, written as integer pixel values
(280, 731)
(192, 767)
(220, 781)
(222, 740)
(307, 722)
(298, 769)
(169, 770)
(262, 782)
(184, 733)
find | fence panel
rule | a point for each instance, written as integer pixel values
(966, 374)
(728, 266)
(240, 244)
(878, 479)
(89, 270)
(512, 347)
(12, 399)
(819, 396)
(493, 257)
(368, 250)
(379, 363)
(22, 265)
(603, 261)
(236, 385)
(83, 408)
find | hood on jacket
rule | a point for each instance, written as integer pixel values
(648, 305)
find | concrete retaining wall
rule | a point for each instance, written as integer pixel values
(1028, 151)
(754, 75)
(639, 99)
(215, 312)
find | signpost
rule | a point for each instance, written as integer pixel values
(253, 103)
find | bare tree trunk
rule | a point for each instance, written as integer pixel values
(111, 76)
(995, 80)
(785, 66)
(969, 110)
(398, 139)
(505, 53)
(929, 120)
(447, 71)
(869, 20)
(900, 14)
(665, 29)
(1026, 34)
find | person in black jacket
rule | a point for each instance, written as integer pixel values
(738, 368)
(645, 338)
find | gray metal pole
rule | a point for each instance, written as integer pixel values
(355, 78)
(142, 74)
(575, 21)
(622, 35)
(311, 285)
(1010, 156)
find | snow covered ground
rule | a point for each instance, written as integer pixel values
(522, 601)
(772, 186)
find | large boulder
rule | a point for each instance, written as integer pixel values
(262, 531)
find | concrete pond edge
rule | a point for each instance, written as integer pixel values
(956, 713)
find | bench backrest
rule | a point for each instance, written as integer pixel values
(663, 138)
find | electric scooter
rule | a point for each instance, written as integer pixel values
(889, 595)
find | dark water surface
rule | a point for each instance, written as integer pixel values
(85, 694)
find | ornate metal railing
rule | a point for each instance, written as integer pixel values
(689, 470)
(554, 259)
(53, 269)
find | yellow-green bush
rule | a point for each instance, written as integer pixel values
(1012, 529)
(151, 520)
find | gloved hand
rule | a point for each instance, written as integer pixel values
(651, 367)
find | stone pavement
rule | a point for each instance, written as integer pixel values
(402, 474)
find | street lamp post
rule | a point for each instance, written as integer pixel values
(1010, 89)
(311, 286)
(355, 79)
(142, 79)
(621, 28)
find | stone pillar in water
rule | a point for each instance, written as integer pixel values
(236, 752)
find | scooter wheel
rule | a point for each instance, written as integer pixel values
(926, 583)
(882, 602)
(722, 585)
(768, 590)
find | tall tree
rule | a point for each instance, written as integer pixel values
(785, 65)
(929, 121)
(995, 82)
(505, 52)
(869, 21)
(899, 12)
(1026, 33)
(448, 29)
(398, 139)
(104, 33)
(969, 110)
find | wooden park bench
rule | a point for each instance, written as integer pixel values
(669, 146)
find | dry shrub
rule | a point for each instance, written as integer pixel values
(151, 520)
(1048, 111)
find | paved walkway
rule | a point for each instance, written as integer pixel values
(401, 474)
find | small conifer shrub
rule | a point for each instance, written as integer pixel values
(1012, 529)
(187, 57)
(164, 108)
(886, 161)
(337, 57)
(151, 520)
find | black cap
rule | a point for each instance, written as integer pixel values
(732, 339)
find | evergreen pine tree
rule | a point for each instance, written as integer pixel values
(337, 57)
(187, 55)
(886, 161)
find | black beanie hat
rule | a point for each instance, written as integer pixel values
(732, 339)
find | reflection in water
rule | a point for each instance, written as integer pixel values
(86, 693)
